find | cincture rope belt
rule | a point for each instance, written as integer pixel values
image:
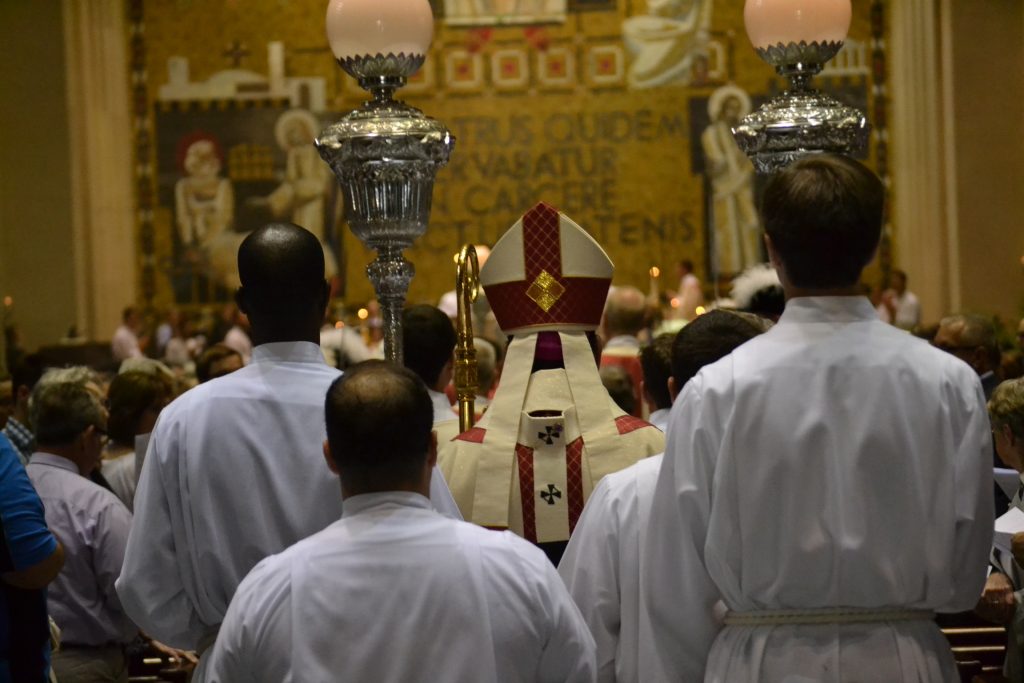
(830, 615)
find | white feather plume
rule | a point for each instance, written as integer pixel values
(751, 281)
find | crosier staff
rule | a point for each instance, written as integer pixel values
(467, 287)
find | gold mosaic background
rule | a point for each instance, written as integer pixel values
(542, 112)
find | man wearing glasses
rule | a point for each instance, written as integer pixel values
(91, 523)
(972, 339)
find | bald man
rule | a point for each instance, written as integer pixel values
(234, 470)
(625, 314)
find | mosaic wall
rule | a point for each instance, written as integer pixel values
(615, 111)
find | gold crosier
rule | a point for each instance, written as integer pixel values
(467, 287)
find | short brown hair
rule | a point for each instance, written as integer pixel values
(823, 214)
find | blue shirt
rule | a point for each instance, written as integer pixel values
(24, 542)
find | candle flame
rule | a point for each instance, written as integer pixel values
(363, 314)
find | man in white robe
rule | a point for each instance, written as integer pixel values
(830, 480)
(656, 364)
(393, 591)
(601, 565)
(428, 349)
(234, 470)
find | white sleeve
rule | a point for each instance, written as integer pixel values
(676, 590)
(569, 653)
(974, 491)
(590, 570)
(231, 655)
(441, 496)
(151, 587)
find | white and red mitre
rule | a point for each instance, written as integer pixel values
(548, 436)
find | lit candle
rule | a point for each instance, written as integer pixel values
(655, 272)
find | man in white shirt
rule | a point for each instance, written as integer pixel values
(233, 472)
(428, 348)
(393, 591)
(126, 343)
(830, 480)
(601, 565)
(899, 306)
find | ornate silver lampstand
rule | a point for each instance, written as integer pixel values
(385, 155)
(801, 120)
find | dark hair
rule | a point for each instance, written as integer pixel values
(379, 421)
(619, 384)
(215, 353)
(428, 341)
(767, 302)
(656, 363)
(129, 396)
(687, 264)
(281, 268)
(26, 373)
(823, 214)
(127, 313)
(709, 338)
(976, 331)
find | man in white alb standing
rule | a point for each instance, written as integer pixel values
(234, 470)
(830, 479)
(393, 591)
(601, 565)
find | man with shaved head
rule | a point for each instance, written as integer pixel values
(234, 471)
(393, 591)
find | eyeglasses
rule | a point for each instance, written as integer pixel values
(104, 437)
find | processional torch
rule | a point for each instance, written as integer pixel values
(467, 287)
(386, 153)
(798, 37)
